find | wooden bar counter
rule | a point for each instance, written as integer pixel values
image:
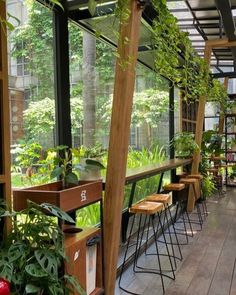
(136, 174)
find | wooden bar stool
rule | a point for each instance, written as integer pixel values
(180, 197)
(148, 210)
(200, 200)
(165, 199)
(193, 182)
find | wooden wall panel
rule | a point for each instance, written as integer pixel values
(188, 114)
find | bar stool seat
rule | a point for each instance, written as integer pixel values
(174, 187)
(188, 181)
(146, 207)
(162, 198)
(196, 176)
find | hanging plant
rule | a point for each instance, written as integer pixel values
(218, 93)
(175, 57)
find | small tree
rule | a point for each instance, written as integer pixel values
(39, 120)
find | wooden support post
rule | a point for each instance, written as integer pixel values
(5, 162)
(199, 130)
(222, 115)
(119, 141)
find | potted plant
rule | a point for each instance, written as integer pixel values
(32, 257)
(211, 144)
(208, 186)
(90, 165)
(232, 174)
(184, 145)
(68, 194)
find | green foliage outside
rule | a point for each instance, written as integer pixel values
(90, 215)
(39, 120)
(33, 42)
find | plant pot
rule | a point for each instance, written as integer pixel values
(93, 173)
(68, 199)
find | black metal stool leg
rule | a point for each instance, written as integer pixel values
(175, 234)
(168, 253)
(137, 247)
(190, 223)
(170, 237)
(158, 257)
(123, 264)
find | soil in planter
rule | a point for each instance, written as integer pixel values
(72, 230)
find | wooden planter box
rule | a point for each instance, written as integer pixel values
(68, 199)
(77, 263)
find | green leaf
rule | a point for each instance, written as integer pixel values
(10, 26)
(14, 17)
(71, 178)
(17, 278)
(80, 167)
(48, 261)
(8, 214)
(62, 147)
(94, 163)
(56, 172)
(92, 6)
(6, 270)
(16, 251)
(54, 210)
(29, 289)
(74, 283)
(35, 270)
(56, 2)
(56, 289)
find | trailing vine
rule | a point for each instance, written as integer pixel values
(175, 57)
(218, 93)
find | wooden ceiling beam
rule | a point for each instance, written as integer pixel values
(224, 42)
